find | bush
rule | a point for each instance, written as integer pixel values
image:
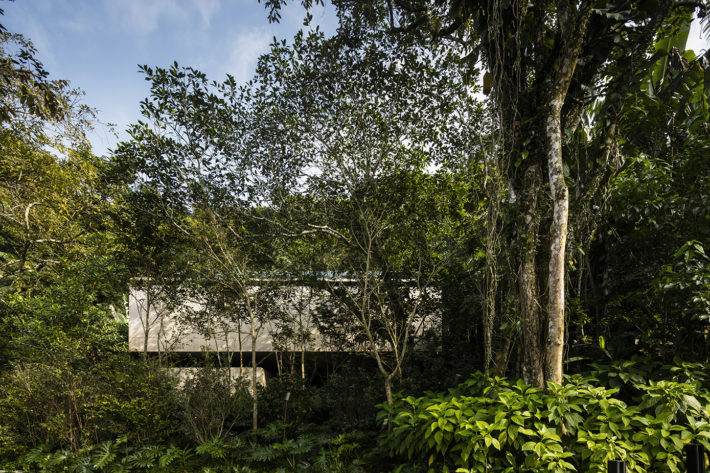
(492, 425)
(63, 406)
(136, 398)
(349, 398)
(272, 401)
(213, 405)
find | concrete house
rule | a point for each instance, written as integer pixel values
(290, 336)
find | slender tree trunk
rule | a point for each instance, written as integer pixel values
(255, 394)
(501, 361)
(230, 356)
(558, 242)
(146, 332)
(241, 353)
(388, 389)
(161, 334)
(572, 26)
(491, 278)
(302, 332)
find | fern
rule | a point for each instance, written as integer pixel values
(214, 447)
(263, 454)
(84, 465)
(242, 469)
(105, 455)
(55, 460)
(303, 444)
(183, 456)
(145, 457)
(37, 456)
(121, 468)
(168, 456)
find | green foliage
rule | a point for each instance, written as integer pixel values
(348, 398)
(300, 405)
(362, 154)
(213, 405)
(67, 406)
(684, 284)
(25, 90)
(652, 254)
(261, 451)
(494, 425)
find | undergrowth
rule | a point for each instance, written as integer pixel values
(493, 425)
(637, 411)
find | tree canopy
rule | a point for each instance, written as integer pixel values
(453, 192)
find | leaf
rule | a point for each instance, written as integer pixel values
(692, 402)
(528, 446)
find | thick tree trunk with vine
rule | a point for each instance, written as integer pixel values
(529, 223)
(494, 190)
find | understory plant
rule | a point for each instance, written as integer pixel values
(265, 450)
(494, 425)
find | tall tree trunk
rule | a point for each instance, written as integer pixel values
(527, 279)
(558, 243)
(573, 26)
(493, 190)
(241, 353)
(161, 336)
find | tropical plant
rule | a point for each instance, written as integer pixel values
(493, 425)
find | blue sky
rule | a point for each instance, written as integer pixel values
(97, 44)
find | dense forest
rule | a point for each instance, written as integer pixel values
(516, 193)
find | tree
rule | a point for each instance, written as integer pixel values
(61, 281)
(201, 152)
(25, 92)
(368, 121)
(155, 254)
(647, 273)
(548, 63)
(58, 258)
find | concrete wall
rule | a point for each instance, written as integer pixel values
(172, 329)
(184, 374)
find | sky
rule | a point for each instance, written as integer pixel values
(98, 44)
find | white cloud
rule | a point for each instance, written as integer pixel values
(42, 41)
(246, 49)
(76, 17)
(144, 17)
(206, 9)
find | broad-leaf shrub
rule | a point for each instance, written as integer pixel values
(493, 425)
